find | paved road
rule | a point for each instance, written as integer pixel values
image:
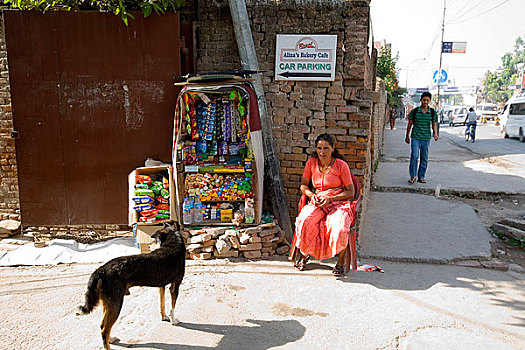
(269, 305)
(507, 153)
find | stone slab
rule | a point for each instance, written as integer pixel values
(414, 227)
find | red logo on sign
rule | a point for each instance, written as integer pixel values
(309, 45)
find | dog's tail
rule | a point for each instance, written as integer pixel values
(92, 294)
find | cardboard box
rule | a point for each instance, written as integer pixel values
(144, 232)
(133, 215)
(143, 235)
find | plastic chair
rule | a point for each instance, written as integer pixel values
(350, 253)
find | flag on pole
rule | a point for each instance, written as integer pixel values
(454, 47)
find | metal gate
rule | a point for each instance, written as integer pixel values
(92, 99)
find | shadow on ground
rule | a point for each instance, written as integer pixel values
(263, 335)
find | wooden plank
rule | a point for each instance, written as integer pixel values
(243, 34)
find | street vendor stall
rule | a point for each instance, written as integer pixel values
(218, 153)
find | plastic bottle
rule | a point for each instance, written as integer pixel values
(249, 211)
(187, 214)
(198, 210)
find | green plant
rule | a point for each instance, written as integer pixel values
(496, 84)
(117, 7)
(386, 70)
(376, 165)
(509, 240)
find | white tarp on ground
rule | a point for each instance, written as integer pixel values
(67, 251)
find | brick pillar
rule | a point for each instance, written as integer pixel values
(9, 199)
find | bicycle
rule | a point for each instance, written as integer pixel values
(470, 133)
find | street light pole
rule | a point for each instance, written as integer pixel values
(441, 53)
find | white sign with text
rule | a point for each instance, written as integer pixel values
(305, 57)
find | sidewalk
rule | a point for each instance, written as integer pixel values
(411, 226)
(452, 166)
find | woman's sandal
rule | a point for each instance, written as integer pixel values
(338, 270)
(301, 263)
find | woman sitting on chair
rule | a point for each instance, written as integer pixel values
(322, 226)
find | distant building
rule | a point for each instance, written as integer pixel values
(378, 45)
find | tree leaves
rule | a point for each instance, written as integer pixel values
(496, 84)
(386, 70)
(117, 7)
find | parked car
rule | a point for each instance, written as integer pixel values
(445, 114)
(515, 124)
(459, 116)
(487, 110)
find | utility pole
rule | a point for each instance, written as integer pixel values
(243, 34)
(441, 52)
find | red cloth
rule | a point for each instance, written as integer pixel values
(255, 120)
(323, 232)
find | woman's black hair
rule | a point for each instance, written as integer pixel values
(328, 138)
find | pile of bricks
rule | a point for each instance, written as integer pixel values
(251, 243)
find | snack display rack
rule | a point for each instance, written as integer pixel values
(218, 154)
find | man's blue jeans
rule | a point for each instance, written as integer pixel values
(419, 149)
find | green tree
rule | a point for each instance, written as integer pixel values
(386, 70)
(118, 7)
(496, 84)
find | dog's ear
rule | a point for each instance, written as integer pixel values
(173, 224)
(162, 234)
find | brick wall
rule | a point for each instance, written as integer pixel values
(300, 111)
(348, 108)
(9, 202)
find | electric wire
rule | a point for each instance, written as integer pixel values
(457, 14)
(481, 14)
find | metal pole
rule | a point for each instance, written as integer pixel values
(248, 55)
(441, 52)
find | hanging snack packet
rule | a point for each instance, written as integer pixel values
(163, 206)
(163, 212)
(142, 207)
(144, 192)
(143, 200)
(156, 186)
(143, 179)
(162, 217)
(161, 200)
(150, 212)
(165, 183)
(143, 186)
(147, 219)
(165, 193)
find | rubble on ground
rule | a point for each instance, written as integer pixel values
(251, 243)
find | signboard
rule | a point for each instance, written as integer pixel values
(451, 89)
(454, 47)
(421, 90)
(305, 57)
(440, 77)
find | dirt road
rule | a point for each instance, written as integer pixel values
(267, 304)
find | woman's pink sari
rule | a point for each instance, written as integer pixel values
(323, 232)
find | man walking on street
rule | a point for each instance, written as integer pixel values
(420, 121)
